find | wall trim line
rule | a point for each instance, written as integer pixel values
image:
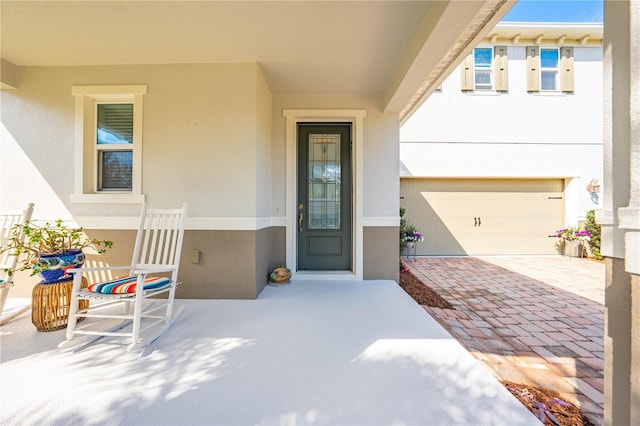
(216, 223)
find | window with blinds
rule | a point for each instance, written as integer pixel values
(114, 142)
(115, 124)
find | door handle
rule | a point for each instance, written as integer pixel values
(479, 221)
(300, 217)
(475, 221)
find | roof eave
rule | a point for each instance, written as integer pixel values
(448, 31)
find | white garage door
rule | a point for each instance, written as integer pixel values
(484, 216)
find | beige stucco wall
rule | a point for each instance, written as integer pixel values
(381, 253)
(201, 127)
(263, 146)
(8, 74)
(213, 136)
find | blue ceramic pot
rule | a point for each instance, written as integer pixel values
(57, 265)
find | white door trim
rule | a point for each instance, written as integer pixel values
(356, 118)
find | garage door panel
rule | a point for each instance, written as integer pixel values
(516, 216)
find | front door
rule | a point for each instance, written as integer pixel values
(324, 197)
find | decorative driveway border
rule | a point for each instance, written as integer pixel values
(532, 320)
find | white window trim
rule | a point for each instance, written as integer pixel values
(556, 69)
(85, 188)
(356, 117)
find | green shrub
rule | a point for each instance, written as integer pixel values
(594, 229)
(403, 228)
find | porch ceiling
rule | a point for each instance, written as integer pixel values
(371, 48)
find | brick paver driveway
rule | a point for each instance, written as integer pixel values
(535, 320)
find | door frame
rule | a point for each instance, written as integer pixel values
(356, 118)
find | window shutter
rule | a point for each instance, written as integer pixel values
(466, 73)
(500, 64)
(566, 69)
(533, 68)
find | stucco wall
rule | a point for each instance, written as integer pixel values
(516, 116)
(206, 141)
(264, 121)
(214, 137)
(514, 134)
(199, 140)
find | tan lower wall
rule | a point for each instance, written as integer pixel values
(622, 358)
(232, 264)
(635, 351)
(381, 253)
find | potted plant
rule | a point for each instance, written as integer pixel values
(412, 237)
(50, 249)
(572, 240)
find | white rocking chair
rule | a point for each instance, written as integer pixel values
(157, 251)
(8, 262)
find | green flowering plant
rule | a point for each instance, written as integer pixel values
(31, 241)
(573, 234)
(413, 237)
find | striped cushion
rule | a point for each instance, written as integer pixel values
(127, 285)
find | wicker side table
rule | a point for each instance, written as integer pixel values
(50, 305)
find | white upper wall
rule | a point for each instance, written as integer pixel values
(517, 134)
(516, 116)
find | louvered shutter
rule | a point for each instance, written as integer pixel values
(500, 68)
(566, 69)
(466, 73)
(533, 68)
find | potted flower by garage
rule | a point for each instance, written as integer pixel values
(50, 249)
(411, 238)
(572, 241)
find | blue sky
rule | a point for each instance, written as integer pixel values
(556, 11)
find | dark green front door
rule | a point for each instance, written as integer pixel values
(324, 197)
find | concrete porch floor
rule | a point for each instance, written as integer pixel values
(312, 352)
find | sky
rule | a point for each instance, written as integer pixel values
(556, 11)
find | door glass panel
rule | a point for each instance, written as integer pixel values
(324, 181)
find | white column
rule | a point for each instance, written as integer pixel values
(620, 218)
(629, 217)
(616, 88)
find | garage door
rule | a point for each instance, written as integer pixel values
(484, 216)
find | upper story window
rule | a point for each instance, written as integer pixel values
(549, 69)
(549, 63)
(485, 69)
(108, 144)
